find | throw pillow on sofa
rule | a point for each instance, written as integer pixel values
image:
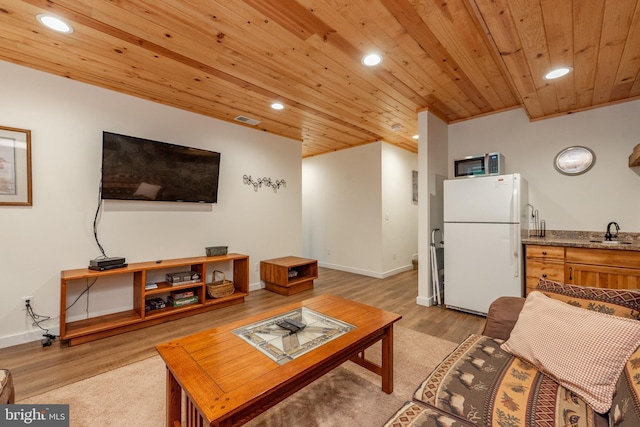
(617, 302)
(585, 351)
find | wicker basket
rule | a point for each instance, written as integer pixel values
(220, 288)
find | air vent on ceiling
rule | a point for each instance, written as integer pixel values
(247, 120)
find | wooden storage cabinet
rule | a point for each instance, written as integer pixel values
(543, 262)
(288, 275)
(603, 268)
(93, 328)
(599, 276)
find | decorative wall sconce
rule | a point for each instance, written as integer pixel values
(264, 181)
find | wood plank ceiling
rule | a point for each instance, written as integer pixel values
(226, 58)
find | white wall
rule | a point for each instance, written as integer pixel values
(67, 119)
(610, 191)
(399, 211)
(432, 154)
(346, 197)
(341, 209)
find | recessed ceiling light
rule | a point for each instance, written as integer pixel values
(415, 136)
(371, 59)
(54, 23)
(277, 106)
(558, 72)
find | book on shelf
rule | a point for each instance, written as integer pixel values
(182, 294)
(151, 285)
(186, 282)
(182, 301)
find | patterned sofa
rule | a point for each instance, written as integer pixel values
(566, 356)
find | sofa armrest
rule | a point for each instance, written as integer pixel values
(7, 392)
(502, 316)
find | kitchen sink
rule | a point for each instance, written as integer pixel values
(611, 242)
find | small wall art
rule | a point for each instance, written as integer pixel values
(414, 185)
(267, 182)
(15, 167)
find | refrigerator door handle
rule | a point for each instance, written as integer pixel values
(513, 242)
(513, 211)
(515, 228)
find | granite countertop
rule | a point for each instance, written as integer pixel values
(582, 239)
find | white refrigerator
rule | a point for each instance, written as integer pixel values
(485, 219)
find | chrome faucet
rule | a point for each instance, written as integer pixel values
(608, 236)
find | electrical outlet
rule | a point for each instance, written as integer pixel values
(257, 267)
(24, 302)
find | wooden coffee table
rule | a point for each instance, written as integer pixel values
(228, 381)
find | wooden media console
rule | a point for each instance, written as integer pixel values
(93, 328)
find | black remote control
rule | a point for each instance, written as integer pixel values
(286, 325)
(295, 323)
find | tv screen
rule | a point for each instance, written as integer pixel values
(141, 169)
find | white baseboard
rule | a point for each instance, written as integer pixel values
(350, 270)
(367, 273)
(397, 271)
(26, 337)
(256, 286)
(427, 302)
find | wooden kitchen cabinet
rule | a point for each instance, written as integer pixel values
(603, 268)
(598, 268)
(543, 262)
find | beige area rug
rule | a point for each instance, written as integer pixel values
(347, 396)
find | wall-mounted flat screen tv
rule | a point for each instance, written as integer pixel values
(141, 169)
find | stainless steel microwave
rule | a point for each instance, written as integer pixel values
(480, 165)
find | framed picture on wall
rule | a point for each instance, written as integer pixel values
(15, 167)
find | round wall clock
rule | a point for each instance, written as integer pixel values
(574, 160)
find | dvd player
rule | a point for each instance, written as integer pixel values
(105, 262)
(107, 267)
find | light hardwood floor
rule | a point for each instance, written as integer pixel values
(37, 369)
